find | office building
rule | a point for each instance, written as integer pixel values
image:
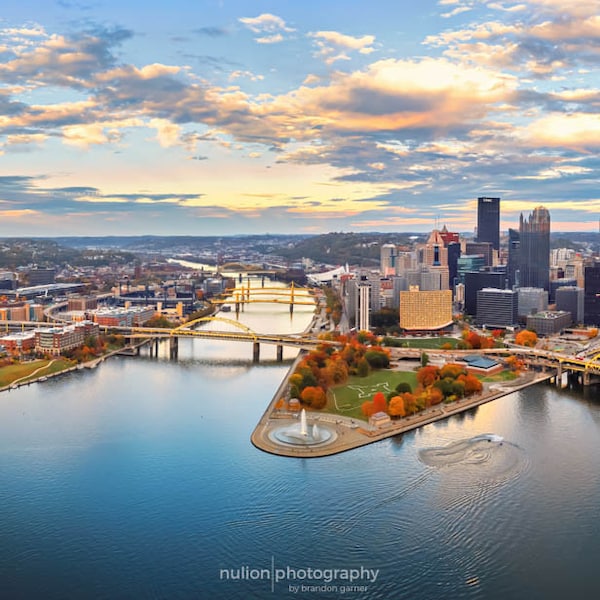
(534, 249)
(434, 252)
(387, 264)
(484, 249)
(363, 307)
(425, 311)
(496, 307)
(488, 221)
(570, 299)
(453, 256)
(512, 266)
(549, 322)
(531, 301)
(477, 280)
(449, 237)
(558, 283)
(468, 263)
(41, 276)
(591, 307)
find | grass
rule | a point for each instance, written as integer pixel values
(431, 343)
(347, 399)
(505, 375)
(11, 373)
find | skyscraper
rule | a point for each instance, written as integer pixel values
(534, 249)
(592, 295)
(488, 221)
(512, 267)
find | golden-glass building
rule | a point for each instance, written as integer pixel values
(425, 310)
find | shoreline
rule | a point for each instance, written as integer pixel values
(29, 379)
(351, 433)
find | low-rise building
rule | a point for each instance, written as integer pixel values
(55, 340)
(18, 342)
(549, 322)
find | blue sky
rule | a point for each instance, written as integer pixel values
(219, 117)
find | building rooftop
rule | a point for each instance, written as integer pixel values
(550, 314)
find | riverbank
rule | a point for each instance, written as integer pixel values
(352, 433)
(38, 375)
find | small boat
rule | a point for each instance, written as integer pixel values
(225, 308)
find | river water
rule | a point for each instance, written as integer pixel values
(138, 480)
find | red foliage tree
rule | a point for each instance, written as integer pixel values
(427, 375)
(379, 402)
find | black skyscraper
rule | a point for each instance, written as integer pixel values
(534, 249)
(512, 267)
(592, 295)
(488, 221)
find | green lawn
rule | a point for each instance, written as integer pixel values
(347, 399)
(506, 375)
(11, 373)
(431, 343)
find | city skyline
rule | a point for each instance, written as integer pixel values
(281, 117)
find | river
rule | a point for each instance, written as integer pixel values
(138, 480)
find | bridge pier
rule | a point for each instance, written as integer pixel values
(154, 348)
(255, 352)
(173, 347)
(559, 375)
(279, 353)
(586, 378)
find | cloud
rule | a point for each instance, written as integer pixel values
(580, 132)
(269, 27)
(211, 31)
(66, 61)
(332, 45)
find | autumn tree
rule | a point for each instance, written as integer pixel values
(426, 376)
(451, 370)
(313, 396)
(472, 385)
(526, 338)
(396, 407)
(379, 402)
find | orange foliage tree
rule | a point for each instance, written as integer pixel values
(428, 375)
(451, 370)
(314, 396)
(526, 338)
(397, 408)
(377, 404)
(472, 384)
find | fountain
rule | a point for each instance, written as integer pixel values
(300, 434)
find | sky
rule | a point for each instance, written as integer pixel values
(217, 117)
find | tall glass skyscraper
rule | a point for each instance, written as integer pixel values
(488, 221)
(534, 249)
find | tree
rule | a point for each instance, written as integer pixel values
(314, 396)
(526, 338)
(362, 368)
(472, 384)
(377, 360)
(397, 408)
(424, 359)
(451, 370)
(403, 386)
(426, 376)
(379, 402)
(435, 396)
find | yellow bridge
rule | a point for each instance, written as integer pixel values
(241, 333)
(292, 295)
